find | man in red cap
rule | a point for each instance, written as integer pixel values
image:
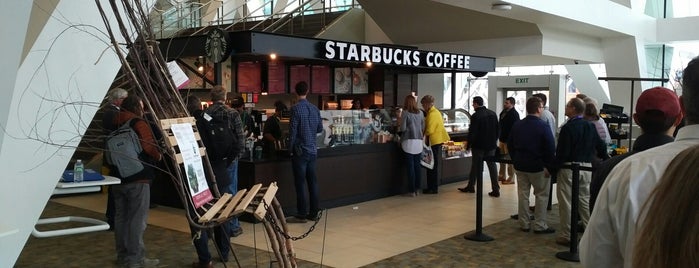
(610, 236)
(657, 113)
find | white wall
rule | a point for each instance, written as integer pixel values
(57, 90)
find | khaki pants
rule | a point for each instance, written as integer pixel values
(565, 193)
(541, 185)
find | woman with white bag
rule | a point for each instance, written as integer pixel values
(412, 127)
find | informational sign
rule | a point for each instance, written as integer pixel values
(276, 77)
(194, 170)
(178, 76)
(249, 78)
(338, 50)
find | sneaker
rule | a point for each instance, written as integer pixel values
(237, 232)
(294, 219)
(548, 230)
(501, 178)
(494, 194)
(505, 182)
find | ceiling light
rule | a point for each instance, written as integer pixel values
(501, 7)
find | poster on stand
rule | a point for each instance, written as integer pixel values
(194, 170)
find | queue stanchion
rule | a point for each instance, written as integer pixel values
(478, 234)
(572, 254)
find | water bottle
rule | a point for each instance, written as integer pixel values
(78, 170)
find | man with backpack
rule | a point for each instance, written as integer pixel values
(132, 196)
(226, 143)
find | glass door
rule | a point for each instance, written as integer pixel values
(521, 96)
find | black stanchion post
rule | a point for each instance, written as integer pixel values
(572, 254)
(478, 234)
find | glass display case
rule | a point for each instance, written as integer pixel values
(456, 122)
(347, 127)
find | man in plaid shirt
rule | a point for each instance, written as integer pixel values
(225, 171)
(304, 125)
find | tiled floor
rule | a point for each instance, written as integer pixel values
(362, 233)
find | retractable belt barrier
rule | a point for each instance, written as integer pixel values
(572, 253)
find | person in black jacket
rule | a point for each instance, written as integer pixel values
(578, 142)
(482, 137)
(508, 117)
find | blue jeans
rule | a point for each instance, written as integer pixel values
(412, 162)
(233, 189)
(304, 168)
(221, 232)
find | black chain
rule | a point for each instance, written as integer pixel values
(279, 230)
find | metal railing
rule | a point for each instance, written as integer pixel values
(189, 15)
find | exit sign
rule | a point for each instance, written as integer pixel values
(521, 80)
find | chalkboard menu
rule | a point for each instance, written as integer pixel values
(299, 73)
(249, 77)
(320, 83)
(276, 77)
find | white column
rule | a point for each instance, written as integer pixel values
(50, 98)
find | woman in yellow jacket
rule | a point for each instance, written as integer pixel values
(436, 134)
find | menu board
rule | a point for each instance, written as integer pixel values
(249, 78)
(276, 77)
(360, 81)
(299, 73)
(320, 83)
(343, 80)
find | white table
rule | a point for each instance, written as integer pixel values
(72, 188)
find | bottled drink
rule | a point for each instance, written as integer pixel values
(78, 170)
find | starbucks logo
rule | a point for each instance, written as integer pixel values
(217, 45)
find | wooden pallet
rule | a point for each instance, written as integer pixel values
(227, 206)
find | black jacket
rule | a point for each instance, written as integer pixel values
(507, 120)
(483, 130)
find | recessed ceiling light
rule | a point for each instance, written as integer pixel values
(501, 7)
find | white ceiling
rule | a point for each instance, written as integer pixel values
(416, 22)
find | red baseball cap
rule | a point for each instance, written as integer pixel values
(661, 99)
